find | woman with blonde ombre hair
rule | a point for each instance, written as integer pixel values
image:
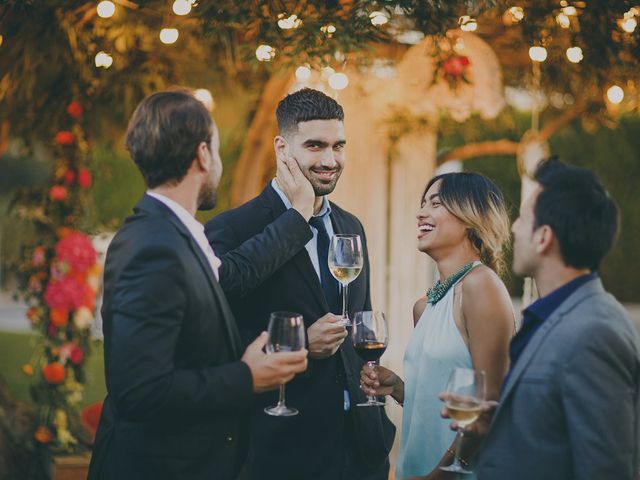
(465, 320)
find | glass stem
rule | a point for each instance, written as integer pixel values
(345, 287)
(456, 458)
(371, 398)
(281, 398)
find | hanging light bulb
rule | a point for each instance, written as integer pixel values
(574, 54)
(205, 97)
(103, 59)
(338, 81)
(303, 72)
(181, 7)
(516, 14)
(467, 24)
(265, 53)
(563, 20)
(106, 9)
(538, 54)
(615, 94)
(328, 30)
(378, 18)
(169, 35)
(569, 10)
(289, 22)
(628, 24)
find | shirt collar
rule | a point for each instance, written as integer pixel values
(545, 306)
(325, 209)
(192, 224)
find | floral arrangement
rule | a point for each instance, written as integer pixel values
(451, 65)
(60, 279)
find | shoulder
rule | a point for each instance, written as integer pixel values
(480, 282)
(485, 298)
(247, 216)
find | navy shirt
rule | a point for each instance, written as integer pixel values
(535, 315)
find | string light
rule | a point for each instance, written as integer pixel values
(338, 81)
(615, 94)
(570, 10)
(182, 7)
(288, 23)
(516, 13)
(1, 39)
(574, 54)
(265, 53)
(327, 72)
(628, 24)
(169, 35)
(106, 9)
(467, 24)
(378, 18)
(328, 30)
(538, 54)
(205, 97)
(103, 59)
(563, 20)
(303, 73)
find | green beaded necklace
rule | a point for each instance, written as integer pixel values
(435, 293)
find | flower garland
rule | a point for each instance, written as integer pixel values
(60, 279)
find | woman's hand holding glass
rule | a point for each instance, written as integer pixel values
(380, 381)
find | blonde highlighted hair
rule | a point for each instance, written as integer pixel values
(478, 203)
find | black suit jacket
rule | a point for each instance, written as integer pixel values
(178, 396)
(310, 445)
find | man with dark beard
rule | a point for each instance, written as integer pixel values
(331, 438)
(178, 384)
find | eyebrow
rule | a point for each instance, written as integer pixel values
(322, 143)
(434, 196)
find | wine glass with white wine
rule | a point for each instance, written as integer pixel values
(286, 334)
(464, 398)
(345, 264)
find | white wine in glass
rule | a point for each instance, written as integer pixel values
(464, 397)
(346, 258)
(286, 334)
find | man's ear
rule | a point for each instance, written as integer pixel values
(281, 147)
(545, 239)
(203, 157)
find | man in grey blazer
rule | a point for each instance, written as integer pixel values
(569, 404)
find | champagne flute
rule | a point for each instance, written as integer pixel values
(345, 264)
(286, 334)
(370, 339)
(464, 397)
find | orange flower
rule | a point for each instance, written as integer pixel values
(64, 138)
(33, 314)
(58, 193)
(64, 232)
(27, 369)
(53, 373)
(42, 435)
(59, 317)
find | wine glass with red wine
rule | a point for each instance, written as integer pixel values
(370, 337)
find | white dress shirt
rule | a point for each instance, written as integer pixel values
(195, 228)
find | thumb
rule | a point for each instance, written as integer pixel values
(259, 343)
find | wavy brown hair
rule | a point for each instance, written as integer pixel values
(479, 204)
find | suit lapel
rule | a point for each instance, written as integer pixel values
(274, 204)
(590, 288)
(152, 205)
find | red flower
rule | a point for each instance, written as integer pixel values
(76, 355)
(69, 176)
(75, 110)
(58, 193)
(77, 250)
(65, 294)
(64, 138)
(84, 178)
(455, 66)
(42, 434)
(52, 330)
(53, 373)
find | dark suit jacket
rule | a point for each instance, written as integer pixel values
(570, 409)
(178, 396)
(310, 445)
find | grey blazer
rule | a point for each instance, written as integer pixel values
(570, 408)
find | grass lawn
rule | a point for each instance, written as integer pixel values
(16, 350)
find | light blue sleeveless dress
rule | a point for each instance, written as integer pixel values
(435, 349)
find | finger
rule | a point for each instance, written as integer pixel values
(283, 172)
(442, 396)
(331, 329)
(444, 413)
(294, 169)
(259, 343)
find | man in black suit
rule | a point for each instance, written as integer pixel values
(331, 438)
(179, 386)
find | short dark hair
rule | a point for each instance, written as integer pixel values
(303, 106)
(164, 133)
(579, 210)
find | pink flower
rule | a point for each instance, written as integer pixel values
(455, 66)
(77, 250)
(65, 294)
(76, 355)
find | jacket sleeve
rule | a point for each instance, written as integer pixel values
(600, 400)
(148, 307)
(245, 265)
(367, 269)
